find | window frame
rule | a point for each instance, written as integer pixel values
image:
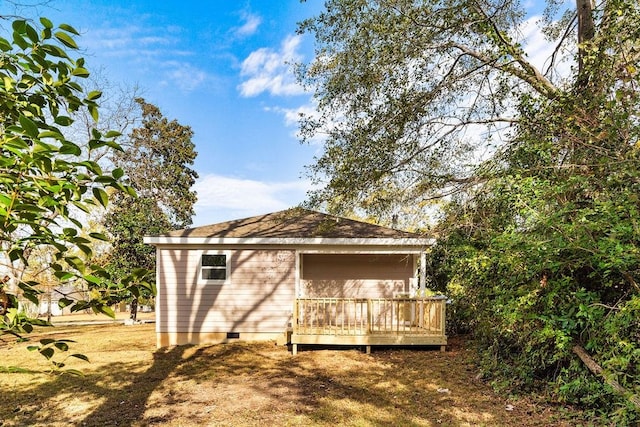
(227, 268)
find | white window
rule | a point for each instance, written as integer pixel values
(214, 268)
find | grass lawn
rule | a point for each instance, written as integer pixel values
(128, 382)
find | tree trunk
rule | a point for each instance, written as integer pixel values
(586, 27)
(586, 32)
(134, 309)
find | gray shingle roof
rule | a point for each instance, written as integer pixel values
(293, 223)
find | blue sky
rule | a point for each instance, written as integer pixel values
(221, 68)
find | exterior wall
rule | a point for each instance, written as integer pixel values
(355, 275)
(257, 298)
(164, 339)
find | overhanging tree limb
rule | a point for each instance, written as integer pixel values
(597, 370)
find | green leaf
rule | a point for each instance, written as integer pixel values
(92, 279)
(66, 40)
(63, 276)
(104, 179)
(69, 231)
(93, 110)
(62, 346)
(80, 72)
(76, 262)
(117, 173)
(32, 33)
(63, 120)
(80, 356)
(91, 166)
(64, 302)
(19, 25)
(104, 309)
(54, 51)
(112, 134)
(29, 126)
(101, 196)
(93, 95)
(46, 23)
(70, 148)
(47, 352)
(5, 46)
(50, 134)
(99, 236)
(69, 29)
(31, 295)
(21, 42)
(85, 249)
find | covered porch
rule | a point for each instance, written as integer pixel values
(369, 321)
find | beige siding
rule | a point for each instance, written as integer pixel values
(355, 275)
(258, 297)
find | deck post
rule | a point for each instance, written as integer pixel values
(294, 349)
(423, 274)
(443, 319)
(367, 349)
(296, 304)
(369, 316)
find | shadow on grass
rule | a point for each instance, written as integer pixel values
(121, 389)
(253, 384)
(129, 403)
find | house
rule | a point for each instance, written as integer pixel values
(50, 298)
(298, 276)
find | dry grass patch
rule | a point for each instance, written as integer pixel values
(129, 382)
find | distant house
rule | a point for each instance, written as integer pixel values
(297, 276)
(49, 299)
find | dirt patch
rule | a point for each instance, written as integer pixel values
(129, 382)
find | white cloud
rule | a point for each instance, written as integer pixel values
(539, 50)
(267, 70)
(250, 26)
(292, 118)
(223, 198)
(184, 76)
(125, 41)
(143, 51)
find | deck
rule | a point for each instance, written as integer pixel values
(369, 321)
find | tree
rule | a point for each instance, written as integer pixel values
(540, 168)
(157, 157)
(47, 182)
(412, 94)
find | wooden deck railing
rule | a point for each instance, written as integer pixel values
(369, 316)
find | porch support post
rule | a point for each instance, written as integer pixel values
(298, 273)
(423, 273)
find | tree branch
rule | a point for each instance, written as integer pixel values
(597, 370)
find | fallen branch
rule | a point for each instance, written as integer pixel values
(597, 370)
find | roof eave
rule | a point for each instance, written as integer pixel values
(290, 241)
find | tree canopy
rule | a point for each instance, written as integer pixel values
(412, 94)
(157, 157)
(48, 183)
(538, 168)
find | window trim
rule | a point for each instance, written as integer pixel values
(227, 278)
